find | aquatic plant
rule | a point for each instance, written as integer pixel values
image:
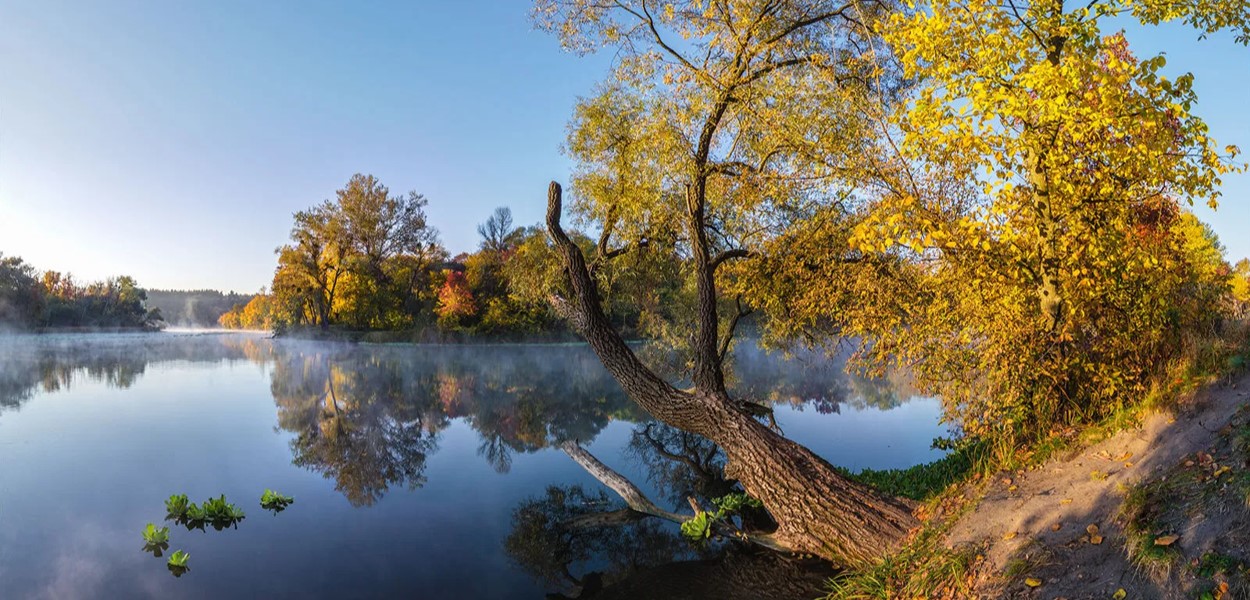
(214, 511)
(178, 563)
(220, 513)
(699, 528)
(274, 501)
(176, 507)
(178, 558)
(155, 536)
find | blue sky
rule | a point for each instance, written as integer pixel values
(172, 140)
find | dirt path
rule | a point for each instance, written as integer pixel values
(1037, 524)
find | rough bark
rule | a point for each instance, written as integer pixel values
(818, 511)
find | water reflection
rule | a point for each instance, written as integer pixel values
(370, 420)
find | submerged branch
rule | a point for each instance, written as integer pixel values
(639, 503)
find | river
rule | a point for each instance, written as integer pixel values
(417, 471)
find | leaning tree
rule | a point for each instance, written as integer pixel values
(723, 123)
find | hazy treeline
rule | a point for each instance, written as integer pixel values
(30, 299)
(194, 308)
(368, 260)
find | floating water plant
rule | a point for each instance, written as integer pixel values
(271, 500)
(178, 558)
(220, 513)
(214, 511)
(156, 540)
(155, 535)
(178, 563)
(176, 507)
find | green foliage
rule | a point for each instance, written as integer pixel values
(176, 507)
(922, 481)
(155, 536)
(271, 500)
(734, 503)
(178, 560)
(698, 529)
(215, 512)
(1214, 563)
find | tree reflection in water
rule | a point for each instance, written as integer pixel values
(592, 546)
(368, 418)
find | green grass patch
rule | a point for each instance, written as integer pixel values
(921, 482)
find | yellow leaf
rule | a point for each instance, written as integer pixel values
(1119, 594)
(1166, 540)
(1009, 535)
(1032, 582)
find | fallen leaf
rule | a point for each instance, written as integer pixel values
(1032, 582)
(1092, 529)
(1166, 540)
(1011, 534)
(1124, 457)
(1119, 594)
(1220, 471)
(1012, 488)
(1128, 465)
(1066, 501)
(1056, 527)
(1095, 539)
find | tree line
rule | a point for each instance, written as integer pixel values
(30, 299)
(368, 260)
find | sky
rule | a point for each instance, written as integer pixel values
(172, 141)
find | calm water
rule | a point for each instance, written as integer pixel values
(417, 471)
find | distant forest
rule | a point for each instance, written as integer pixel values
(194, 308)
(33, 300)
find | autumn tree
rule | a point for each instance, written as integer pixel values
(1241, 287)
(363, 257)
(724, 121)
(311, 267)
(1037, 261)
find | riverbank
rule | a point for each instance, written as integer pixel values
(1157, 510)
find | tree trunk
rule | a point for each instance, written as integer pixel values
(818, 511)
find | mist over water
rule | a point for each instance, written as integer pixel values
(416, 469)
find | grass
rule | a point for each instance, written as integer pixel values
(922, 568)
(921, 482)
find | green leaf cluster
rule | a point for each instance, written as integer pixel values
(271, 500)
(214, 511)
(155, 536)
(698, 529)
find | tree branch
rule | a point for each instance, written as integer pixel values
(727, 255)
